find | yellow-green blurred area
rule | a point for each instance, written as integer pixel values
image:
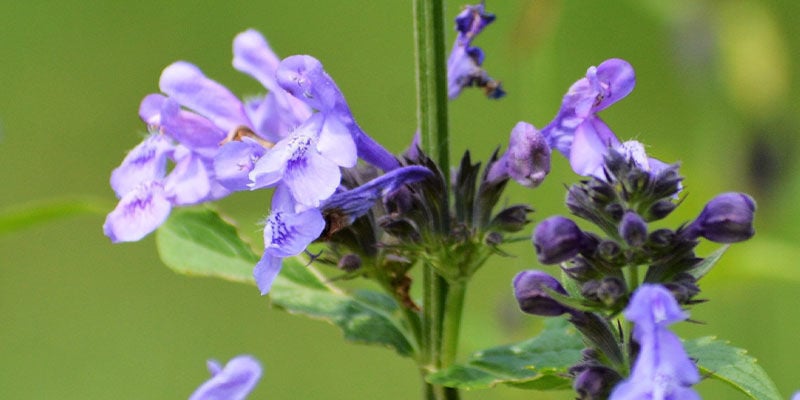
(81, 318)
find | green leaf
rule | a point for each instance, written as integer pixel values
(365, 317)
(28, 215)
(197, 241)
(538, 363)
(701, 269)
(718, 360)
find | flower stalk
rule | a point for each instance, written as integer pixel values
(440, 322)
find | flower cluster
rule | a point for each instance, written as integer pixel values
(205, 143)
(648, 273)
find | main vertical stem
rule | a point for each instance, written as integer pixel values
(432, 119)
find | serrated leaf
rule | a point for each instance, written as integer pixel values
(539, 363)
(701, 269)
(197, 241)
(732, 365)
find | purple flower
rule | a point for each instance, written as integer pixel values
(727, 218)
(527, 159)
(233, 382)
(147, 192)
(557, 239)
(357, 202)
(464, 64)
(286, 233)
(291, 227)
(577, 131)
(304, 77)
(662, 369)
(530, 290)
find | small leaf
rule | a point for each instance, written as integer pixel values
(701, 269)
(539, 363)
(718, 360)
(197, 241)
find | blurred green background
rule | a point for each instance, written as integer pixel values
(81, 318)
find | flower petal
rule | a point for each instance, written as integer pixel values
(234, 382)
(190, 181)
(145, 162)
(193, 131)
(270, 168)
(265, 272)
(234, 161)
(253, 56)
(150, 108)
(618, 79)
(138, 213)
(288, 234)
(186, 84)
(336, 142)
(312, 179)
(590, 143)
(304, 78)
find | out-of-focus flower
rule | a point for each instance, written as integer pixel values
(577, 131)
(727, 218)
(530, 290)
(233, 382)
(464, 64)
(527, 159)
(662, 369)
(557, 239)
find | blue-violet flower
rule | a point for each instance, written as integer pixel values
(233, 382)
(662, 369)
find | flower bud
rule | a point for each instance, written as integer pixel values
(633, 229)
(660, 209)
(727, 218)
(528, 155)
(349, 262)
(557, 239)
(529, 289)
(512, 219)
(595, 382)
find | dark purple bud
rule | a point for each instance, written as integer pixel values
(512, 219)
(615, 211)
(609, 250)
(611, 290)
(557, 239)
(727, 218)
(660, 209)
(529, 289)
(633, 229)
(580, 270)
(595, 383)
(494, 239)
(349, 262)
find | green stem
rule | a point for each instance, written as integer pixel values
(432, 80)
(451, 327)
(432, 118)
